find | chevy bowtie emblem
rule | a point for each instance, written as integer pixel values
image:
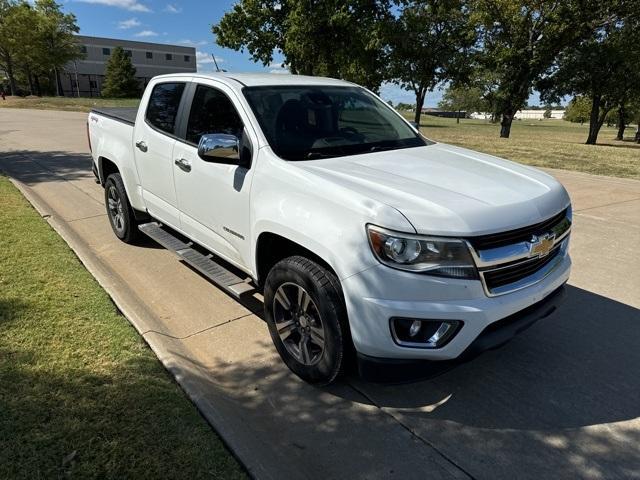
(540, 246)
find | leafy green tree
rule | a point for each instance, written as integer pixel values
(335, 38)
(11, 32)
(404, 107)
(605, 67)
(35, 40)
(522, 38)
(120, 76)
(429, 42)
(462, 98)
(578, 110)
(55, 42)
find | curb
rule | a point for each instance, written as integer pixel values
(135, 311)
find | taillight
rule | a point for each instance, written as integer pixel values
(89, 137)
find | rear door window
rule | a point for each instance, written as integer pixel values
(164, 102)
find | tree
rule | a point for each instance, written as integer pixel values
(522, 38)
(56, 42)
(605, 67)
(11, 32)
(461, 98)
(120, 76)
(35, 39)
(335, 38)
(429, 42)
(578, 110)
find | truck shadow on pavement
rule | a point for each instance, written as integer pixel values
(541, 405)
(33, 167)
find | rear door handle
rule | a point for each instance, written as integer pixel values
(141, 146)
(183, 164)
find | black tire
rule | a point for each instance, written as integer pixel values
(325, 308)
(119, 211)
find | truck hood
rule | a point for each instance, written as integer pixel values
(447, 190)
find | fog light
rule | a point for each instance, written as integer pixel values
(415, 328)
(423, 333)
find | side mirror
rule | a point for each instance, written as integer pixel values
(219, 146)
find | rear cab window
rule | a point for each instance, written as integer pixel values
(163, 106)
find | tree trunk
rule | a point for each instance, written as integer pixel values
(638, 133)
(458, 117)
(38, 89)
(12, 81)
(505, 124)
(594, 121)
(30, 80)
(59, 91)
(621, 125)
(419, 103)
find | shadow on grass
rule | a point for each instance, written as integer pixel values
(561, 400)
(109, 418)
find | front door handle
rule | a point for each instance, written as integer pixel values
(142, 146)
(183, 164)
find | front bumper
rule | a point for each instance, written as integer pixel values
(493, 336)
(380, 293)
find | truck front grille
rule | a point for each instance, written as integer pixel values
(500, 277)
(524, 234)
(509, 261)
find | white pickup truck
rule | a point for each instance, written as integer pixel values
(368, 241)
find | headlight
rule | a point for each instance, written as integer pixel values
(444, 257)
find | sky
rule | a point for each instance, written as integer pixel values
(189, 23)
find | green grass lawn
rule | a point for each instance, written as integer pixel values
(81, 394)
(546, 143)
(67, 103)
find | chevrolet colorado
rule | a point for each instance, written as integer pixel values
(364, 236)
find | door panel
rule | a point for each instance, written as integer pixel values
(213, 198)
(153, 146)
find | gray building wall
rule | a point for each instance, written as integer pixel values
(90, 70)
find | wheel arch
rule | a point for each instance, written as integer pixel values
(272, 247)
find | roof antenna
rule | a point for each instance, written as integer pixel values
(216, 63)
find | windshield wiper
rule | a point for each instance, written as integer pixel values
(381, 148)
(315, 155)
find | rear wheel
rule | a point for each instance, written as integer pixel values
(119, 210)
(307, 319)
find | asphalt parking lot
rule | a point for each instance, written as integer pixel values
(562, 400)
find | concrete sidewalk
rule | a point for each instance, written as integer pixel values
(562, 400)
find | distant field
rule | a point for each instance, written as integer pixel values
(546, 143)
(67, 103)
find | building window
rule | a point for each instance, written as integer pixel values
(106, 51)
(149, 54)
(168, 56)
(83, 48)
(187, 58)
(93, 84)
(127, 53)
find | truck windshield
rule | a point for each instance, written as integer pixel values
(315, 121)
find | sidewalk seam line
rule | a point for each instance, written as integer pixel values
(607, 205)
(413, 433)
(226, 322)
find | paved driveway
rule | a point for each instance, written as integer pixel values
(562, 400)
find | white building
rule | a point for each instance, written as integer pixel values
(524, 115)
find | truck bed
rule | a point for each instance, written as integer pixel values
(122, 114)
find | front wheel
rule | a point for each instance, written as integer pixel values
(307, 320)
